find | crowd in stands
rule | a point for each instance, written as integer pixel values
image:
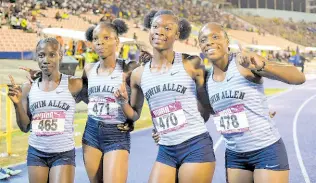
(23, 14)
(298, 32)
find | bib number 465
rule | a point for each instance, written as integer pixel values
(48, 125)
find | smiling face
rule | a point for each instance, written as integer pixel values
(105, 41)
(164, 32)
(49, 56)
(213, 42)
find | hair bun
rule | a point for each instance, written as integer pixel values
(184, 29)
(149, 18)
(89, 33)
(120, 26)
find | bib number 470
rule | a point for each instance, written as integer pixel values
(167, 120)
(48, 125)
(229, 121)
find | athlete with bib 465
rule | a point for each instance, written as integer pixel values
(46, 107)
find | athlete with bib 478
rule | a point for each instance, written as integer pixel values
(255, 151)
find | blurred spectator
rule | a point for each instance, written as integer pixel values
(135, 36)
(90, 56)
(58, 16)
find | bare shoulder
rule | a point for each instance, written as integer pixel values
(26, 87)
(73, 80)
(137, 74)
(75, 84)
(88, 67)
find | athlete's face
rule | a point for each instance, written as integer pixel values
(213, 42)
(163, 32)
(105, 41)
(49, 57)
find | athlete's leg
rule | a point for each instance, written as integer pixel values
(239, 176)
(263, 175)
(238, 167)
(196, 172)
(273, 166)
(115, 166)
(162, 173)
(93, 163)
(38, 174)
(62, 174)
(38, 168)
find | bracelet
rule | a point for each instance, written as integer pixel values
(122, 101)
(264, 65)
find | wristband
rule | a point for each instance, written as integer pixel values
(122, 101)
(264, 65)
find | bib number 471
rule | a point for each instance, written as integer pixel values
(101, 108)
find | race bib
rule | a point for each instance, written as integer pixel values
(232, 120)
(103, 107)
(49, 123)
(169, 118)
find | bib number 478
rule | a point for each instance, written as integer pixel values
(228, 122)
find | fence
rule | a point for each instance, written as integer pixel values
(6, 128)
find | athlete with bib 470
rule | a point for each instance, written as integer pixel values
(173, 84)
(255, 151)
(46, 108)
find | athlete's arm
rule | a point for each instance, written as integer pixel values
(283, 72)
(196, 69)
(19, 97)
(133, 108)
(261, 67)
(75, 86)
(83, 94)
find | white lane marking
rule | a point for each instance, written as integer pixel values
(296, 146)
(218, 142)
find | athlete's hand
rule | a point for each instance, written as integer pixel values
(250, 60)
(272, 114)
(155, 136)
(126, 127)
(15, 91)
(121, 94)
(144, 57)
(34, 74)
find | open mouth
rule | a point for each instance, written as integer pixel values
(100, 51)
(158, 39)
(210, 50)
(46, 68)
